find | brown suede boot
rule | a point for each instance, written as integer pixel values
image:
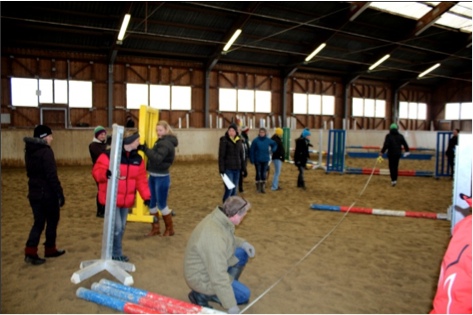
(154, 226)
(168, 223)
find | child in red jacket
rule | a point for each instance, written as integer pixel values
(132, 178)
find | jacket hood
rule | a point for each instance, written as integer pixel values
(172, 139)
(393, 132)
(32, 144)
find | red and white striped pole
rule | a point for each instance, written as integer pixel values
(396, 213)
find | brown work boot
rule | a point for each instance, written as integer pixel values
(154, 226)
(168, 223)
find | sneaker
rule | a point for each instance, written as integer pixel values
(393, 183)
(34, 260)
(121, 258)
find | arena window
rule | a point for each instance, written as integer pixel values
(244, 100)
(458, 111)
(164, 97)
(313, 104)
(32, 92)
(412, 110)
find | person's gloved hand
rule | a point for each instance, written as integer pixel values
(244, 173)
(380, 159)
(233, 310)
(146, 202)
(61, 200)
(406, 154)
(108, 174)
(142, 147)
(249, 249)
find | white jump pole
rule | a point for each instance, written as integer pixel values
(116, 268)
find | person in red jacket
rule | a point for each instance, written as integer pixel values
(132, 178)
(454, 286)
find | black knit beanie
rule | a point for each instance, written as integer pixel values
(42, 131)
(130, 139)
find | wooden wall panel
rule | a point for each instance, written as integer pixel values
(158, 71)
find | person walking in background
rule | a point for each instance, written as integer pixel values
(132, 178)
(215, 258)
(394, 143)
(231, 160)
(450, 153)
(301, 156)
(260, 156)
(45, 194)
(245, 141)
(160, 159)
(278, 157)
(97, 147)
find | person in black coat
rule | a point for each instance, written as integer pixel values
(231, 159)
(245, 141)
(45, 194)
(277, 158)
(301, 156)
(450, 153)
(394, 143)
(97, 147)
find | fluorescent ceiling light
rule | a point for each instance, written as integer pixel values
(380, 61)
(126, 20)
(232, 40)
(429, 70)
(315, 52)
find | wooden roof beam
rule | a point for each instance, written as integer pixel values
(430, 17)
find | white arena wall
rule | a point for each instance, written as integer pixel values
(71, 146)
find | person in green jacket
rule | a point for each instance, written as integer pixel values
(215, 258)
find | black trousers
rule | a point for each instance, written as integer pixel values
(45, 213)
(100, 207)
(300, 177)
(394, 166)
(451, 164)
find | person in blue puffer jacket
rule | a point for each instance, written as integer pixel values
(260, 155)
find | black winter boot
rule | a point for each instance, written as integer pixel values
(202, 299)
(31, 256)
(263, 184)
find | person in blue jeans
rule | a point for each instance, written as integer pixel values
(231, 160)
(260, 157)
(160, 159)
(277, 158)
(215, 258)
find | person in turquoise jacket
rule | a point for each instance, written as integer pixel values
(261, 150)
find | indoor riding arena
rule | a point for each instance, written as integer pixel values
(384, 259)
